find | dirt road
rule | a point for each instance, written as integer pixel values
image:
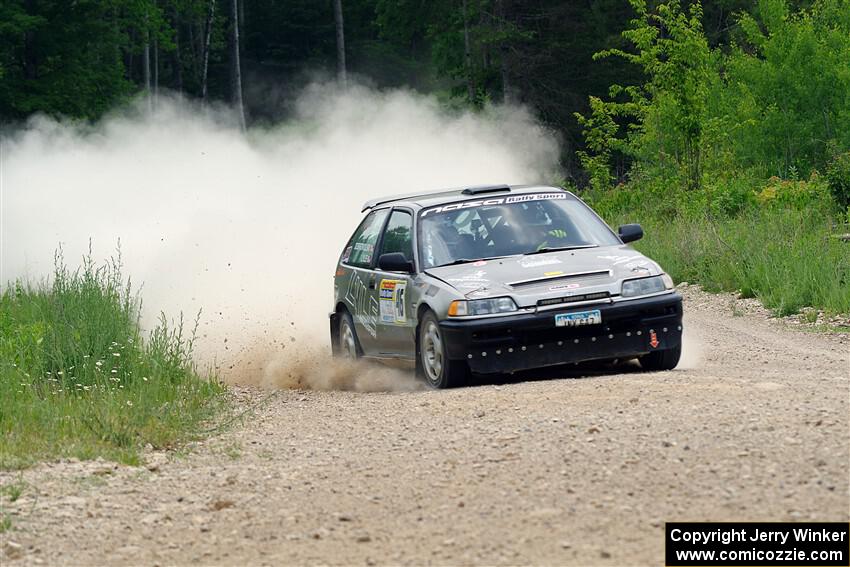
(554, 471)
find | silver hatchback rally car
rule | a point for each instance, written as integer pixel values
(498, 279)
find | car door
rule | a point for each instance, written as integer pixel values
(361, 294)
(396, 324)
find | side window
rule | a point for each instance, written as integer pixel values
(398, 237)
(361, 248)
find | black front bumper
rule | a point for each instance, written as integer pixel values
(521, 342)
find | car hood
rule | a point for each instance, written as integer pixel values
(529, 279)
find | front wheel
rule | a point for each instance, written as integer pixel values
(666, 359)
(439, 371)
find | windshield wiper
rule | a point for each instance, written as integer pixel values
(560, 248)
(468, 260)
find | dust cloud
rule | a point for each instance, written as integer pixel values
(246, 227)
(692, 348)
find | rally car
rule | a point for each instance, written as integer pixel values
(497, 279)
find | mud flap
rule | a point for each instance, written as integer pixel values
(334, 321)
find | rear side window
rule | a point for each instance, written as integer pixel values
(398, 237)
(361, 248)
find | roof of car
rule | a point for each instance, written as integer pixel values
(433, 198)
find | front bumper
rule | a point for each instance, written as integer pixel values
(531, 340)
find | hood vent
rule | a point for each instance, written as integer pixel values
(562, 278)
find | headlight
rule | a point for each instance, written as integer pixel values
(462, 307)
(646, 286)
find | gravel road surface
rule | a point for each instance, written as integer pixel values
(560, 468)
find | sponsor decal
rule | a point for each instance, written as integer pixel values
(472, 285)
(653, 339)
(552, 273)
(474, 280)
(538, 262)
(477, 276)
(498, 201)
(392, 298)
(564, 287)
(618, 259)
(363, 303)
(479, 263)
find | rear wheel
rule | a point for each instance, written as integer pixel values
(349, 347)
(439, 371)
(661, 359)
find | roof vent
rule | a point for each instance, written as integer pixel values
(485, 189)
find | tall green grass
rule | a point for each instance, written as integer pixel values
(786, 258)
(777, 246)
(78, 379)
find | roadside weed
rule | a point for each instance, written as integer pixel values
(78, 379)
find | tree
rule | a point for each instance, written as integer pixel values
(63, 58)
(206, 56)
(785, 98)
(340, 43)
(236, 68)
(467, 55)
(669, 109)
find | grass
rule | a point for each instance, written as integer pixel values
(13, 490)
(10, 492)
(785, 258)
(78, 379)
(5, 521)
(782, 253)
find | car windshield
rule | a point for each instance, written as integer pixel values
(505, 226)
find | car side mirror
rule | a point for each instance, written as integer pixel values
(630, 232)
(395, 262)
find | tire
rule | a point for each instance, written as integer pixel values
(436, 368)
(349, 346)
(661, 359)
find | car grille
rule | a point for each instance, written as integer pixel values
(574, 298)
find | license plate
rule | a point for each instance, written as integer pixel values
(578, 319)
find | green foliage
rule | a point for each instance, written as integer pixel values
(600, 132)
(77, 379)
(776, 102)
(669, 109)
(785, 96)
(801, 195)
(838, 177)
(772, 242)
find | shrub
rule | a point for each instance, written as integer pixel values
(838, 178)
(796, 194)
